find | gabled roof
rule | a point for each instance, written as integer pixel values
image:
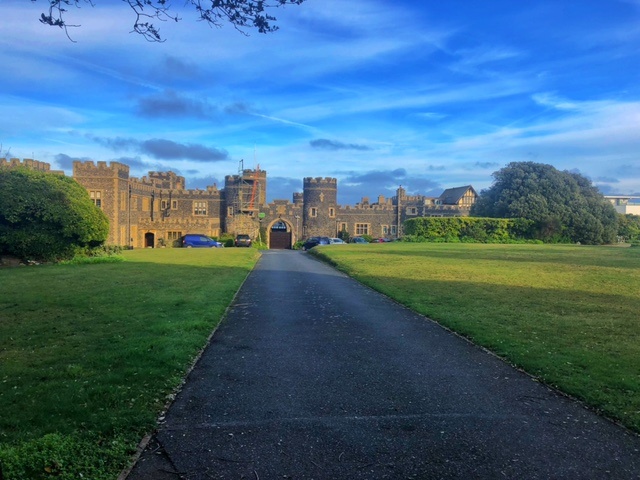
(451, 196)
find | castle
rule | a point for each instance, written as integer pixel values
(156, 210)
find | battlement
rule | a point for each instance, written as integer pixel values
(168, 180)
(26, 163)
(90, 168)
(320, 181)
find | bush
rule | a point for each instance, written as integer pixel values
(467, 230)
(45, 216)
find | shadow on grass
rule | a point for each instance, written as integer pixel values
(552, 254)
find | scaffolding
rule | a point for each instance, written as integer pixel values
(248, 191)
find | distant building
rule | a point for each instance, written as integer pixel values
(157, 209)
(625, 204)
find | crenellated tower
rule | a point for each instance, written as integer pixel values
(320, 206)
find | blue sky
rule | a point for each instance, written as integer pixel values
(420, 93)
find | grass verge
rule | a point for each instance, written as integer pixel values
(566, 314)
(90, 353)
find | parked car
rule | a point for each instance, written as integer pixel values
(357, 240)
(382, 240)
(242, 240)
(315, 241)
(198, 240)
(336, 241)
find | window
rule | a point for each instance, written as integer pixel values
(313, 212)
(412, 211)
(362, 229)
(171, 236)
(174, 204)
(96, 197)
(230, 211)
(343, 226)
(199, 208)
(393, 230)
(163, 205)
(385, 229)
(332, 212)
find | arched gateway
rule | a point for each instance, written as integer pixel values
(280, 235)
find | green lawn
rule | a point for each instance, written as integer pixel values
(569, 315)
(90, 353)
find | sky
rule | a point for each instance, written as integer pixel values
(427, 94)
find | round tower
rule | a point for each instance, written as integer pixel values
(320, 206)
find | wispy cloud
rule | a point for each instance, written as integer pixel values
(163, 149)
(325, 144)
(172, 104)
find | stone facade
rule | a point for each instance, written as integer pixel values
(157, 210)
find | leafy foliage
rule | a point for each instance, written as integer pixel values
(242, 14)
(564, 206)
(629, 227)
(45, 216)
(467, 229)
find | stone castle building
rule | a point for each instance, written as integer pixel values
(156, 210)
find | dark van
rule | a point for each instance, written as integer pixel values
(197, 240)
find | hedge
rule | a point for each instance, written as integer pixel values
(468, 229)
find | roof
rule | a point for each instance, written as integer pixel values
(451, 196)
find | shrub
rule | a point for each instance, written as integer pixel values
(45, 216)
(467, 230)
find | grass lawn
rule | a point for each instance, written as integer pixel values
(90, 353)
(569, 315)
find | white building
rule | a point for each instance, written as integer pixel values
(625, 204)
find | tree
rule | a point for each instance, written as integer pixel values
(563, 205)
(242, 14)
(629, 227)
(45, 216)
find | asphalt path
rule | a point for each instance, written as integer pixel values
(314, 376)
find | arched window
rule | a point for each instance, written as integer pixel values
(279, 226)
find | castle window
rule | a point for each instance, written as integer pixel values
(362, 229)
(385, 229)
(174, 204)
(393, 230)
(96, 197)
(343, 226)
(163, 205)
(313, 212)
(332, 212)
(412, 211)
(230, 211)
(173, 236)
(199, 208)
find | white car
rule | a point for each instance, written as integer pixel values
(336, 241)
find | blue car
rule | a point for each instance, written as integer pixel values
(193, 240)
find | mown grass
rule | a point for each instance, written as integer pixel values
(90, 353)
(567, 314)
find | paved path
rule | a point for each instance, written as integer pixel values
(312, 376)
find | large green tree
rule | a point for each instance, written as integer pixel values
(45, 216)
(564, 206)
(242, 14)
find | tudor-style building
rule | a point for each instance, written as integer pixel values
(158, 209)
